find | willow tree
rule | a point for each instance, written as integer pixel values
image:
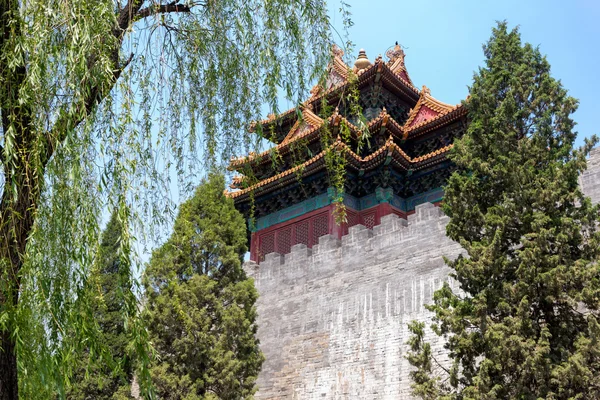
(101, 102)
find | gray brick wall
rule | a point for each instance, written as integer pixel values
(333, 319)
(590, 179)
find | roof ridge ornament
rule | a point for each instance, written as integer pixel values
(337, 72)
(336, 51)
(396, 62)
(336, 118)
(309, 117)
(395, 53)
(386, 116)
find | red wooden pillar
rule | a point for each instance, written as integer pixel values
(335, 229)
(383, 209)
(254, 247)
(384, 196)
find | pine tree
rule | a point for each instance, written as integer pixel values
(525, 323)
(200, 305)
(96, 375)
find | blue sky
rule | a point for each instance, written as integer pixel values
(443, 40)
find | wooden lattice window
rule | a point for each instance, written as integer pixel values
(352, 218)
(320, 227)
(267, 244)
(284, 240)
(302, 230)
(369, 220)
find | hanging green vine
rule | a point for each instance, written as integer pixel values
(336, 149)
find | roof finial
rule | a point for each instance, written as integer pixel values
(362, 61)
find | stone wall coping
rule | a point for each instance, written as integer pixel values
(392, 231)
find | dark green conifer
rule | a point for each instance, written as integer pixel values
(200, 304)
(110, 281)
(525, 322)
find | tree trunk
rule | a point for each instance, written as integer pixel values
(24, 171)
(16, 213)
(16, 223)
(9, 383)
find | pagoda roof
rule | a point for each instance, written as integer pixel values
(303, 126)
(308, 122)
(453, 114)
(389, 153)
(430, 113)
(308, 129)
(392, 73)
(427, 113)
(426, 107)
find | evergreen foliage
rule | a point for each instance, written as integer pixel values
(200, 305)
(109, 280)
(524, 324)
(101, 103)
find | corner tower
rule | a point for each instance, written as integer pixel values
(395, 158)
(336, 300)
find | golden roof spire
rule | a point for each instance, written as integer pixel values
(362, 61)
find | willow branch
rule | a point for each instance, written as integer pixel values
(68, 120)
(71, 117)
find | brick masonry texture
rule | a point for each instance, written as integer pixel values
(590, 179)
(333, 319)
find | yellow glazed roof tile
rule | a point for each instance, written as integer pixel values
(315, 123)
(426, 100)
(390, 145)
(338, 66)
(455, 113)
